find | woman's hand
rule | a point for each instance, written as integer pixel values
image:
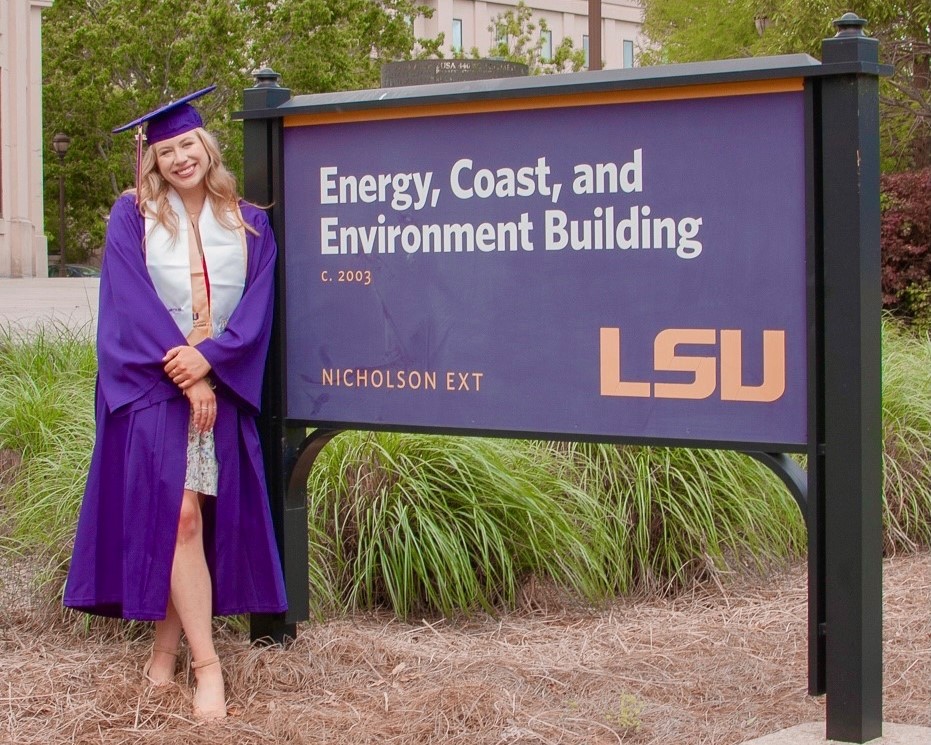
(203, 405)
(185, 366)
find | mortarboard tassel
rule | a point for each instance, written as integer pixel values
(139, 138)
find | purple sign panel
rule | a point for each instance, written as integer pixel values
(629, 270)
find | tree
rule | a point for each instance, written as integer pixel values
(696, 30)
(691, 30)
(520, 39)
(331, 45)
(107, 62)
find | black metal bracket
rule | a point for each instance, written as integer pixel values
(790, 473)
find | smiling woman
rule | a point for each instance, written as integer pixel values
(183, 328)
(183, 161)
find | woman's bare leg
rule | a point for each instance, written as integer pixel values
(191, 597)
(162, 664)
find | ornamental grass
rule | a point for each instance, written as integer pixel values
(435, 524)
(46, 438)
(906, 440)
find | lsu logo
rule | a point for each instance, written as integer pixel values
(703, 368)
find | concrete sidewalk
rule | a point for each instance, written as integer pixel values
(812, 733)
(54, 303)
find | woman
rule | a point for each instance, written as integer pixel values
(175, 526)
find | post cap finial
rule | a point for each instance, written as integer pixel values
(849, 24)
(266, 78)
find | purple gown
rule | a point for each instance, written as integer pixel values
(123, 550)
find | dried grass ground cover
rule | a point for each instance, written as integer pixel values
(716, 666)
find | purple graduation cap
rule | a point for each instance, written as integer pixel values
(165, 122)
(170, 120)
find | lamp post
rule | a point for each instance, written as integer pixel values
(60, 144)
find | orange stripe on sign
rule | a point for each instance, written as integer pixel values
(751, 88)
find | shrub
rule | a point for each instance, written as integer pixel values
(906, 245)
(443, 523)
(676, 515)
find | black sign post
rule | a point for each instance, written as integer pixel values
(841, 494)
(262, 185)
(851, 468)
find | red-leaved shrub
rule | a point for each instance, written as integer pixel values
(906, 242)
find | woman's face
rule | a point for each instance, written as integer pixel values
(182, 162)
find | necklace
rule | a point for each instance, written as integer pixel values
(194, 218)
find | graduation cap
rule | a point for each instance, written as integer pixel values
(165, 122)
(170, 120)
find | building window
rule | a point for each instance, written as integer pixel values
(546, 50)
(585, 49)
(457, 34)
(628, 53)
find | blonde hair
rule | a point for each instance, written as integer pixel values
(219, 183)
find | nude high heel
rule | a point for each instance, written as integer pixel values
(207, 714)
(148, 666)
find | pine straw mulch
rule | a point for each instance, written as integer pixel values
(720, 665)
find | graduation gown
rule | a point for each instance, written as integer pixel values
(124, 546)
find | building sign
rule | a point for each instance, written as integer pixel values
(634, 269)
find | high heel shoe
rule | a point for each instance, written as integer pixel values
(207, 714)
(148, 666)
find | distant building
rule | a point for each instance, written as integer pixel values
(465, 24)
(23, 250)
